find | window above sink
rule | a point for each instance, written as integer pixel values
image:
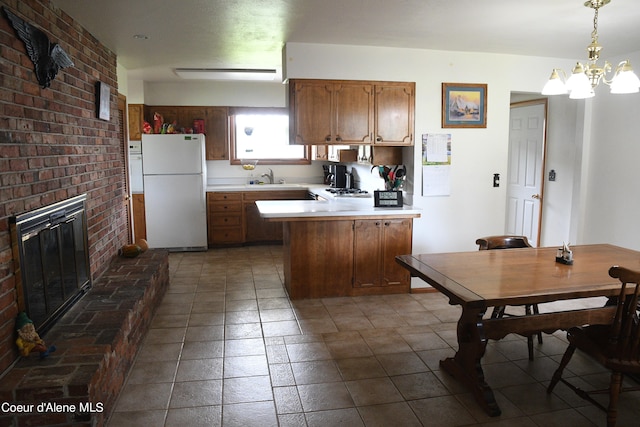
(261, 135)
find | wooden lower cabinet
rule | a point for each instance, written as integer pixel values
(256, 228)
(330, 258)
(318, 258)
(139, 221)
(225, 222)
(233, 217)
(376, 244)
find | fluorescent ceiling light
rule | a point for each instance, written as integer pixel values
(226, 73)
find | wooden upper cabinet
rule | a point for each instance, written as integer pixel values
(394, 116)
(168, 113)
(386, 155)
(310, 115)
(216, 125)
(215, 128)
(186, 116)
(136, 119)
(351, 112)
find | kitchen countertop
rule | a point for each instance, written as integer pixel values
(293, 210)
(257, 187)
(333, 206)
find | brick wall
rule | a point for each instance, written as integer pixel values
(53, 147)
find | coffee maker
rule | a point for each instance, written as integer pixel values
(338, 176)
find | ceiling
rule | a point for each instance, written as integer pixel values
(251, 33)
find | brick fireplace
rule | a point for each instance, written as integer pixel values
(52, 146)
(52, 268)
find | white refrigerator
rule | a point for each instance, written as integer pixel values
(174, 180)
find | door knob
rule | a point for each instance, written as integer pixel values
(536, 196)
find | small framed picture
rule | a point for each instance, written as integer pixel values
(464, 105)
(103, 101)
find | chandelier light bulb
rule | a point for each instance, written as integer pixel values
(578, 80)
(555, 85)
(625, 80)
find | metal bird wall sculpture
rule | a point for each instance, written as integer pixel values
(48, 58)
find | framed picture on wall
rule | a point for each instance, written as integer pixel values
(464, 105)
(103, 101)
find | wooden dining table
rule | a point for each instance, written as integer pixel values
(482, 279)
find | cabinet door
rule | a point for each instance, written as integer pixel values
(169, 114)
(367, 252)
(386, 155)
(186, 116)
(310, 115)
(376, 245)
(394, 119)
(136, 118)
(257, 229)
(139, 223)
(396, 240)
(353, 113)
(217, 127)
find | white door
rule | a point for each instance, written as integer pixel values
(526, 170)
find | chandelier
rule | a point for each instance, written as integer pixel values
(585, 77)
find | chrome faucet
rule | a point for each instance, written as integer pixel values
(268, 175)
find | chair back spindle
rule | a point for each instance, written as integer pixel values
(625, 329)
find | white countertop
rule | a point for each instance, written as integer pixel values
(257, 187)
(333, 206)
(337, 207)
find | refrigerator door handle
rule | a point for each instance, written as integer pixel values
(203, 199)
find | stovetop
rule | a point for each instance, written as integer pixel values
(348, 192)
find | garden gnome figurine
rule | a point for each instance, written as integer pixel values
(28, 339)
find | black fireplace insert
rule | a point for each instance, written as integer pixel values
(50, 246)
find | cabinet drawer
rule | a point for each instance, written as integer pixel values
(225, 196)
(227, 235)
(226, 207)
(226, 221)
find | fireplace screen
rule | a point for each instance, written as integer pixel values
(53, 260)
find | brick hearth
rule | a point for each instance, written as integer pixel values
(96, 343)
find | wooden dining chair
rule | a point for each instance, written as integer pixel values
(510, 242)
(615, 346)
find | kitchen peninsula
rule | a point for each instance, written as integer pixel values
(342, 246)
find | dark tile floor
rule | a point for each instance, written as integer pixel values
(227, 347)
